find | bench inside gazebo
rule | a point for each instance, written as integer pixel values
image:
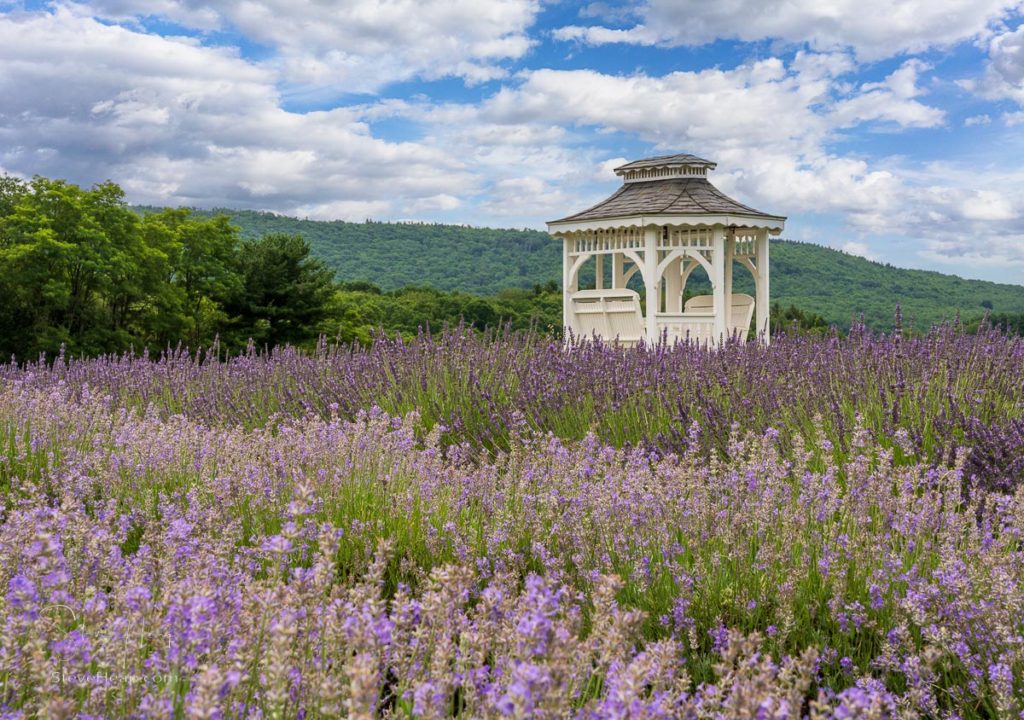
(665, 221)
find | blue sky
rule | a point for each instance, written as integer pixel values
(893, 130)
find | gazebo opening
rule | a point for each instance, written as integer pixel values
(666, 221)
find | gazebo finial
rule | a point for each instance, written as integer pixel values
(664, 222)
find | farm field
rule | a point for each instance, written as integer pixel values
(504, 526)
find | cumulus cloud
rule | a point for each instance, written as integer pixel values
(988, 205)
(891, 100)
(756, 103)
(359, 45)
(875, 29)
(177, 122)
(769, 126)
(989, 250)
(180, 120)
(1003, 78)
(860, 249)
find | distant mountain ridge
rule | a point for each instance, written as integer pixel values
(484, 261)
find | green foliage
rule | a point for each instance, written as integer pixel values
(80, 270)
(841, 287)
(360, 309)
(202, 274)
(1010, 323)
(480, 261)
(793, 318)
(73, 268)
(835, 285)
(283, 293)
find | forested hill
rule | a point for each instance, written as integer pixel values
(483, 261)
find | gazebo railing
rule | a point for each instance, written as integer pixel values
(698, 327)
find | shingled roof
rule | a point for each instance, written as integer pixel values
(684, 196)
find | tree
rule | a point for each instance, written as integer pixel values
(202, 273)
(66, 255)
(284, 293)
(788, 319)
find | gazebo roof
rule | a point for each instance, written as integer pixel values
(670, 185)
(666, 161)
(690, 196)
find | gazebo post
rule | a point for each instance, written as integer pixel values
(618, 261)
(651, 284)
(718, 282)
(599, 271)
(730, 253)
(567, 290)
(761, 289)
(674, 287)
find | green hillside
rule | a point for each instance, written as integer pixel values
(483, 261)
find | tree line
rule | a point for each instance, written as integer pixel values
(81, 270)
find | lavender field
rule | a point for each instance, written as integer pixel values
(507, 527)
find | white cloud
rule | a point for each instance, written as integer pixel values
(176, 122)
(1004, 73)
(606, 170)
(891, 100)
(1014, 118)
(983, 119)
(988, 205)
(529, 196)
(767, 124)
(873, 28)
(756, 103)
(360, 45)
(860, 249)
(988, 250)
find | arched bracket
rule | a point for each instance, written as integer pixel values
(668, 260)
(637, 264)
(749, 265)
(701, 260)
(577, 265)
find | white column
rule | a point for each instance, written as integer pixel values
(618, 261)
(651, 285)
(718, 281)
(599, 272)
(762, 301)
(730, 253)
(567, 289)
(674, 286)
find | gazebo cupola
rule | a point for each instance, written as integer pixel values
(665, 221)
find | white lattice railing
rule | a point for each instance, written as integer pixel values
(672, 238)
(746, 243)
(611, 241)
(607, 241)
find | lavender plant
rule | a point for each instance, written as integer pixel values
(944, 390)
(666, 532)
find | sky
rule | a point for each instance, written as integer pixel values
(891, 129)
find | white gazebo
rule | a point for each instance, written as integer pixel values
(664, 222)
